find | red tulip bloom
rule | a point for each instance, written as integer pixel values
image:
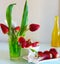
(22, 42)
(28, 43)
(46, 55)
(34, 44)
(40, 54)
(54, 52)
(17, 28)
(0, 24)
(34, 27)
(4, 28)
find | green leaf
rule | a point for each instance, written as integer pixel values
(24, 22)
(33, 50)
(9, 15)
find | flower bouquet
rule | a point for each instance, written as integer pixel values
(16, 34)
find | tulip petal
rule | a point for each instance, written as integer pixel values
(0, 24)
(34, 27)
(17, 28)
(40, 54)
(34, 44)
(46, 55)
(22, 41)
(54, 52)
(4, 28)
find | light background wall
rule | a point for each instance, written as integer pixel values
(40, 11)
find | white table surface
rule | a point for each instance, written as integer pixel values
(4, 54)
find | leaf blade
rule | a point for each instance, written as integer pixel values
(33, 50)
(24, 22)
(9, 15)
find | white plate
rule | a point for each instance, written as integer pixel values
(50, 61)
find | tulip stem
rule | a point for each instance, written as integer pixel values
(20, 50)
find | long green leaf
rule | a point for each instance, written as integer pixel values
(24, 22)
(9, 15)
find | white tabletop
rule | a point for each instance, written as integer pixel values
(4, 54)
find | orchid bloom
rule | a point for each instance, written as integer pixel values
(33, 27)
(26, 44)
(5, 29)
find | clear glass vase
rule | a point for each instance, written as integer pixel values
(14, 48)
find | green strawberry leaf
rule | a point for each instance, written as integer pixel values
(24, 22)
(9, 15)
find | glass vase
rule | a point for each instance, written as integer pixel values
(14, 48)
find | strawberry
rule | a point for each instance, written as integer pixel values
(4, 28)
(34, 27)
(17, 28)
(54, 52)
(22, 41)
(34, 44)
(40, 54)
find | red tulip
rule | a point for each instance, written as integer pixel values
(53, 52)
(4, 28)
(28, 43)
(17, 28)
(40, 54)
(34, 44)
(0, 24)
(46, 55)
(34, 27)
(22, 41)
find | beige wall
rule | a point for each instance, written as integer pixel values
(40, 11)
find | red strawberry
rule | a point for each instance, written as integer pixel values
(17, 28)
(46, 55)
(54, 52)
(40, 54)
(34, 44)
(22, 41)
(33, 27)
(4, 28)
